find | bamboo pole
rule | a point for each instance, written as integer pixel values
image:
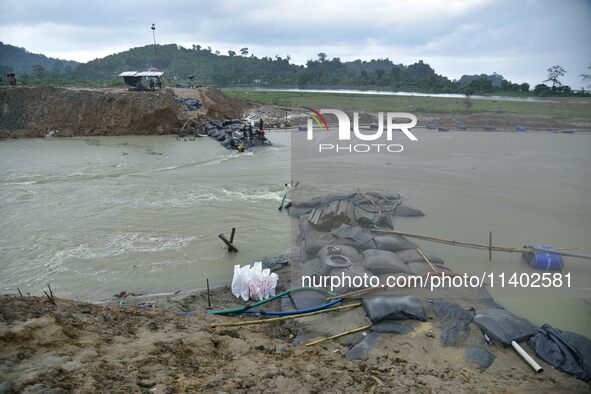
(427, 260)
(485, 247)
(275, 319)
(342, 334)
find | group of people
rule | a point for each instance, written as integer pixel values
(249, 135)
(11, 78)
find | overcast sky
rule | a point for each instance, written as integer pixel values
(519, 39)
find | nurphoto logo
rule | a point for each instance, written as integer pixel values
(344, 125)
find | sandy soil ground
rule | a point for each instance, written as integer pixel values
(143, 344)
(66, 112)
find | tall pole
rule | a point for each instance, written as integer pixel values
(155, 47)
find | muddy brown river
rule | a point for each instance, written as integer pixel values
(94, 216)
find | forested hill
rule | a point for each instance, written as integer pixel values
(243, 69)
(19, 60)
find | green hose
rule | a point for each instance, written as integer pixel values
(259, 303)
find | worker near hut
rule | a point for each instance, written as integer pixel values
(11, 78)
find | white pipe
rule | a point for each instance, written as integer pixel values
(527, 357)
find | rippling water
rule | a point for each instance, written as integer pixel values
(96, 216)
(99, 215)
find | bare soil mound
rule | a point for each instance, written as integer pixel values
(59, 112)
(35, 112)
(148, 347)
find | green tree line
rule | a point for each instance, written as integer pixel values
(241, 69)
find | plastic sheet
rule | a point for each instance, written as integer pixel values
(566, 351)
(394, 308)
(361, 349)
(355, 233)
(479, 357)
(455, 321)
(504, 326)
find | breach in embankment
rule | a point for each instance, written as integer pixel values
(64, 112)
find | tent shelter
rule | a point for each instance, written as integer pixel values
(142, 80)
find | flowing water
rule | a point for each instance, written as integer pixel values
(98, 215)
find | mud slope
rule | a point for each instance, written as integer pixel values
(35, 112)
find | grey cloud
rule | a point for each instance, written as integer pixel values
(502, 35)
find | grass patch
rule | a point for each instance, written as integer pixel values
(557, 107)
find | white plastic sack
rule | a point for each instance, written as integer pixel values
(254, 283)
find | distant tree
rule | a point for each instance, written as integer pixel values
(231, 53)
(524, 87)
(288, 57)
(468, 92)
(554, 73)
(244, 51)
(217, 52)
(196, 47)
(541, 90)
(587, 77)
(380, 74)
(322, 57)
(38, 71)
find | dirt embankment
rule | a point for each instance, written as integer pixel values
(59, 112)
(148, 347)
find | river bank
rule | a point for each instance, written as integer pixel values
(140, 344)
(69, 112)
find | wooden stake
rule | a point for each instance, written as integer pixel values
(342, 334)
(232, 235)
(51, 300)
(231, 248)
(19, 292)
(275, 319)
(208, 295)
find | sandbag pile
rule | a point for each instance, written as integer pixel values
(336, 239)
(189, 103)
(234, 134)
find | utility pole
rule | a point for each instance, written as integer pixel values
(155, 47)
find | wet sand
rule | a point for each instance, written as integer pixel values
(144, 345)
